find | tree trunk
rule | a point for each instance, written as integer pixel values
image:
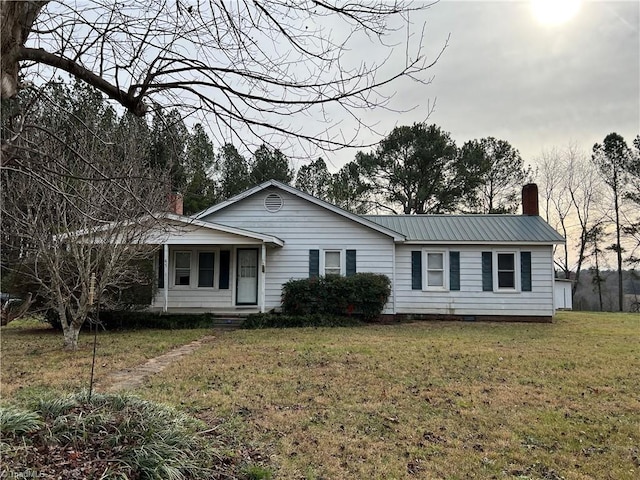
(71, 333)
(619, 254)
(16, 20)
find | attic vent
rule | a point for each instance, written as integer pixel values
(273, 202)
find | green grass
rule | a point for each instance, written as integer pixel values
(421, 400)
(32, 357)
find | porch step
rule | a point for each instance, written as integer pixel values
(227, 322)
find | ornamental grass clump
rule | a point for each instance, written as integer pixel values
(108, 436)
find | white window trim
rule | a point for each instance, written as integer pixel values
(343, 260)
(174, 269)
(425, 270)
(517, 277)
(216, 258)
(194, 269)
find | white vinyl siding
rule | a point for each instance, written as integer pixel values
(470, 299)
(304, 226)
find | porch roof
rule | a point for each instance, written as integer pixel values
(183, 225)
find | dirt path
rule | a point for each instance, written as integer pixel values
(135, 377)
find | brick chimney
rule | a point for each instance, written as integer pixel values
(530, 199)
(176, 203)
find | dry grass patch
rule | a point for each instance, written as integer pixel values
(427, 400)
(423, 400)
(32, 357)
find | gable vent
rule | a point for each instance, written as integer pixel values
(273, 202)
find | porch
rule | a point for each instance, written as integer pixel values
(203, 267)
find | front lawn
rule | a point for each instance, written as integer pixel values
(421, 400)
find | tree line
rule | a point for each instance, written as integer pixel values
(416, 169)
(593, 199)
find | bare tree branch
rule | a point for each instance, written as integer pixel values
(252, 69)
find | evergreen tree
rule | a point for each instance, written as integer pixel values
(270, 164)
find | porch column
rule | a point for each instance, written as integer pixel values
(263, 273)
(166, 277)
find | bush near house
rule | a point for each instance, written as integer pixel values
(362, 294)
(136, 320)
(276, 320)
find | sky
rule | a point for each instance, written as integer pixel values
(507, 74)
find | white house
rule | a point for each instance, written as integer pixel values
(235, 256)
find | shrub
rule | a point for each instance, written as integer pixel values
(362, 294)
(272, 320)
(134, 320)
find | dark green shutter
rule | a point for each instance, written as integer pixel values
(351, 262)
(416, 270)
(161, 267)
(487, 272)
(225, 262)
(314, 263)
(454, 270)
(525, 271)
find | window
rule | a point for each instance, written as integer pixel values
(183, 268)
(435, 269)
(506, 270)
(332, 263)
(205, 269)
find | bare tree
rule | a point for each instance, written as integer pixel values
(585, 187)
(253, 69)
(556, 200)
(83, 211)
(571, 196)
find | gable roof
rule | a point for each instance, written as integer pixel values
(478, 229)
(398, 237)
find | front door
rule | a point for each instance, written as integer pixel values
(247, 277)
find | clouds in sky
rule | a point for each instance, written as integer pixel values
(504, 74)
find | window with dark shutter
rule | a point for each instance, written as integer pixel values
(416, 270)
(487, 271)
(314, 263)
(225, 259)
(454, 270)
(525, 271)
(351, 262)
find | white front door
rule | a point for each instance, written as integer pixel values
(247, 277)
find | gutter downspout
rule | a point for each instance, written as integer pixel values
(263, 274)
(165, 307)
(393, 274)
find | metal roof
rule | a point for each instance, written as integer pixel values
(470, 228)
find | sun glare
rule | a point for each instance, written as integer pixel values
(555, 12)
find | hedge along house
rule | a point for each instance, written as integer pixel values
(235, 256)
